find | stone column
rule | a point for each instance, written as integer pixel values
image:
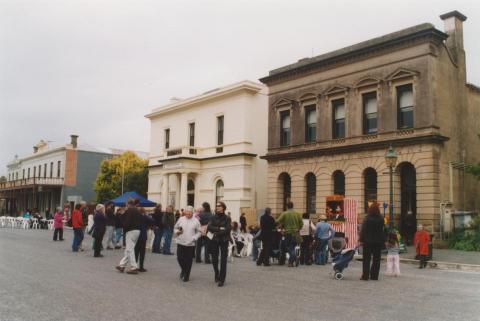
(183, 190)
(164, 199)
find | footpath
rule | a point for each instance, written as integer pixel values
(446, 259)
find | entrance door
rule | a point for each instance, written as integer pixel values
(408, 186)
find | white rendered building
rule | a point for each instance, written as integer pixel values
(207, 148)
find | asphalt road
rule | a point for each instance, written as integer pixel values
(42, 280)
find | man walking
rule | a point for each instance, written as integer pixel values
(267, 228)
(131, 226)
(168, 221)
(292, 223)
(187, 230)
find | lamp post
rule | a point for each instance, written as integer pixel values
(391, 160)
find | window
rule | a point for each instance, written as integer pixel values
(285, 128)
(51, 169)
(34, 171)
(338, 118)
(311, 182)
(28, 175)
(45, 171)
(191, 139)
(405, 106)
(167, 138)
(59, 164)
(23, 173)
(339, 183)
(369, 113)
(310, 124)
(370, 186)
(220, 124)
(219, 191)
(286, 187)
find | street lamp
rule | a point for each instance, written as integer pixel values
(391, 160)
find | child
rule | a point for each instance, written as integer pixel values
(393, 257)
(420, 241)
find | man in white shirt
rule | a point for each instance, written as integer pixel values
(187, 230)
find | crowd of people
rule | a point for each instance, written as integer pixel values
(291, 235)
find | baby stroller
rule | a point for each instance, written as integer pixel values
(277, 251)
(341, 256)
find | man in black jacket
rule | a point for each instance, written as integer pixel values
(267, 227)
(131, 227)
(158, 230)
(372, 237)
(220, 226)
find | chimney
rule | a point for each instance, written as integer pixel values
(453, 25)
(35, 149)
(73, 140)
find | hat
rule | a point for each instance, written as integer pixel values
(323, 217)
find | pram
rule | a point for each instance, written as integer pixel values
(341, 256)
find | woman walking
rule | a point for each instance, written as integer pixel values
(372, 238)
(187, 230)
(58, 224)
(220, 226)
(100, 225)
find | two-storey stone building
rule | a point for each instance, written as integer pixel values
(333, 116)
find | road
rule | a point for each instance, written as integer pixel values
(42, 280)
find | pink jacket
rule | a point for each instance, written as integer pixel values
(57, 220)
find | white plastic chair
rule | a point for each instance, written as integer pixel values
(50, 224)
(35, 224)
(231, 247)
(3, 220)
(25, 223)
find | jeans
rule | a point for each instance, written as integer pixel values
(77, 238)
(110, 236)
(291, 244)
(118, 235)
(131, 238)
(157, 240)
(321, 252)
(167, 232)
(255, 246)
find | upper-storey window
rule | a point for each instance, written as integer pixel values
(338, 107)
(59, 165)
(34, 171)
(45, 170)
(310, 124)
(405, 106)
(369, 113)
(51, 169)
(167, 138)
(220, 127)
(28, 173)
(23, 173)
(285, 128)
(191, 137)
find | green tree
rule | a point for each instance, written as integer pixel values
(108, 184)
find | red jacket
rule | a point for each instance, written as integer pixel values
(77, 221)
(421, 242)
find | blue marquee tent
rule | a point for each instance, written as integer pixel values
(122, 200)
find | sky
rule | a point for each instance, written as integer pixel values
(95, 67)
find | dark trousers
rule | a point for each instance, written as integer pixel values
(140, 252)
(371, 250)
(58, 232)
(265, 252)
(202, 242)
(221, 248)
(423, 261)
(97, 246)
(290, 243)
(157, 240)
(185, 259)
(305, 250)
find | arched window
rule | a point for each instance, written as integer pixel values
(311, 182)
(339, 183)
(219, 191)
(370, 186)
(286, 186)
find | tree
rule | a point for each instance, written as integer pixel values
(108, 184)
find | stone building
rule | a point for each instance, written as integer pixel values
(205, 148)
(332, 118)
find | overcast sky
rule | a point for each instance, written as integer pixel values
(96, 67)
